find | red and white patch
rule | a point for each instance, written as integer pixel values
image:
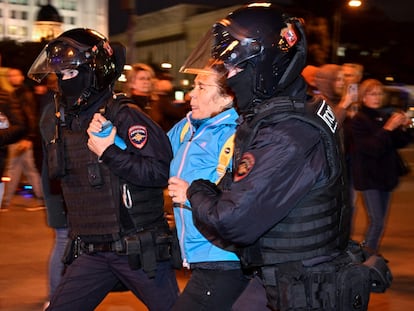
(245, 166)
(138, 136)
(290, 37)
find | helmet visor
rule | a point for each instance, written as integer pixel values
(55, 57)
(224, 43)
(199, 57)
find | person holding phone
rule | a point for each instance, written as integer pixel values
(375, 160)
(330, 82)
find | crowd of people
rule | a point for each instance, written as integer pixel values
(263, 167)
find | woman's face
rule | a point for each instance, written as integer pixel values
(373, 98)
(141, 83)
(206, 100)
(339, 83)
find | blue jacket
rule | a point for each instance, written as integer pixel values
(196, 155)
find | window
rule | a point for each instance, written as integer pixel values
(69, 5)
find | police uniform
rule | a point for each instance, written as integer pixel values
(115, 207)
(116, 222)
(284, 207)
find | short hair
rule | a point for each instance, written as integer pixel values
(367, 86)
(140, 67)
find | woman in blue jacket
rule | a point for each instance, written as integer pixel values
(203, 146)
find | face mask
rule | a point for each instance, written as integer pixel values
(242, 86)
(73, 88)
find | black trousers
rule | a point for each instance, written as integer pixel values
(90, 278)
(211, 290)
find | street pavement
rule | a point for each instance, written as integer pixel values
(26, 241)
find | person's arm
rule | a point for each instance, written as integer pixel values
(368, 137)
(272, 178)
(146, 160)
(17, 122)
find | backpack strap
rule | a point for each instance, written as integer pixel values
(184, 131)
(226, 154)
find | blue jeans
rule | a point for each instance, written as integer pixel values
(1, 191)
(56, 266)
(89, 278)
(21, 162)
(377, 204)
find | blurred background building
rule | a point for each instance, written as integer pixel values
(34, 20)
(163, 33)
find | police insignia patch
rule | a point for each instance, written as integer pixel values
(138, 136)
(245, 166)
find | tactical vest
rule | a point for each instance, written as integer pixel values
(101, 206)
(320, 222)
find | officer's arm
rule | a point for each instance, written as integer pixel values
(275, 177)
(146, 160)
(17, 122)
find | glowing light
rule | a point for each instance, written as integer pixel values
(355, 3)
(166, 65)
(185, 82)
(260, 4)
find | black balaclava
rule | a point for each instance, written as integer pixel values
(242, 84)
(76, 91)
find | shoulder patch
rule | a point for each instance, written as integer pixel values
(327, 115)
(138, 136)
(245, 166)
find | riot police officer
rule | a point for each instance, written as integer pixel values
(284, 207)
(112, 183)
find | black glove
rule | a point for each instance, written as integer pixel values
(202, 195)
(203, 185)
(226, 182)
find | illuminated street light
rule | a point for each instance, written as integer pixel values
(354, 3)
(337, 18)
(166, 65)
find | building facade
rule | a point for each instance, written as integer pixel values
(18, 18)
(169, 36)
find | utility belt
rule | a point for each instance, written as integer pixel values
(144, 249)
(329, 283)
(340, 282)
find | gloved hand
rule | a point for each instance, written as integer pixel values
(203, 185)
(226, 181)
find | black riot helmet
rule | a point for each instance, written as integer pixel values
(267, 47)
(85, 50)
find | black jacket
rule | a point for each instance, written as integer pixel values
(16, 120)
(283, 163)
(52, 191)
(375, 158)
